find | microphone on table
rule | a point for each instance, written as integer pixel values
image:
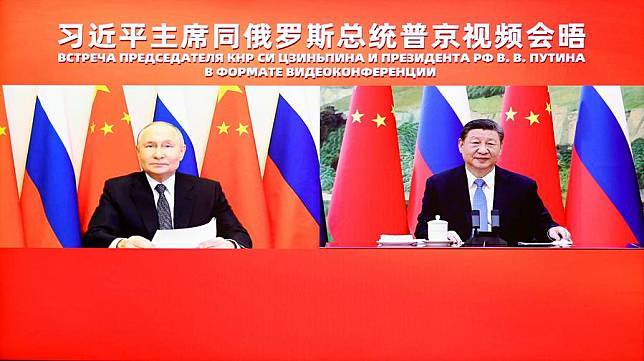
(476, 223)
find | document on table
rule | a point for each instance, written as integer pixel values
(185, 237)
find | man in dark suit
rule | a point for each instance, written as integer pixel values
(133, 207)
(480, 184)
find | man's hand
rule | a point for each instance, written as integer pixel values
(134, 242)
(558, 233)
(217, 243)
(454, 238)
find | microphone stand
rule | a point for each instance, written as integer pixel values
(484, 239)
(476, 224)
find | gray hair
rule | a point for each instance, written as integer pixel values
(138, 137)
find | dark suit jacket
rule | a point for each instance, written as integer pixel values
(523, 216)
(127, 208)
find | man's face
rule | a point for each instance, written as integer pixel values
(480, 150)
(160, 149)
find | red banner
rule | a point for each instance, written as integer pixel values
(334, 42)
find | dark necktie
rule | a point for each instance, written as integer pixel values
(163, 208)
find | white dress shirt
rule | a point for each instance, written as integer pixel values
(488, 190)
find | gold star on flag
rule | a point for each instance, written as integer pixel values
(548, 108)
(241, 129)
(509, 115)
(357, 117)
(227, 88)
(3, 130)
(107, 128)
(392, 108)
(102, 88)
(379, 120)
(92, 128)
(126, 118)
(533, 118)
(223, 128)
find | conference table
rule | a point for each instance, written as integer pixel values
(324, 304)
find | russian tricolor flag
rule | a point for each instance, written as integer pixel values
(292, 182)
(444, 111)
(603, 206)
(49, 199)
(189, 163)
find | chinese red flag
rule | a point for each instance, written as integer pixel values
(11, 234)
(368, 196)
(231, 159)
(109, 148)
(529, 143)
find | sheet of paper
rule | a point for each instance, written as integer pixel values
(396, 237)
(185, 237)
